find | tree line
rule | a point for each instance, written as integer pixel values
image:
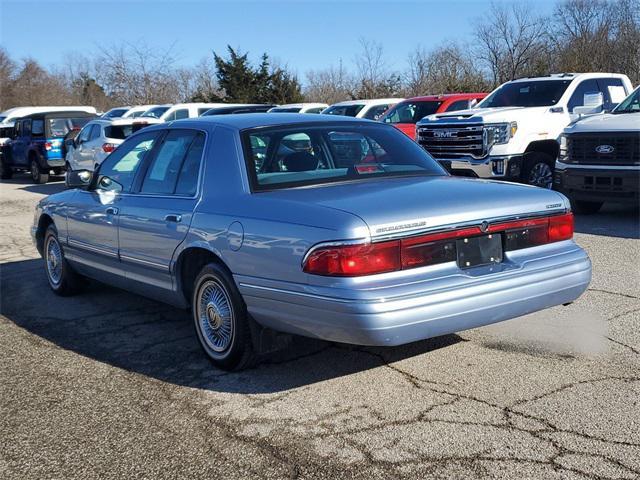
(508, 42)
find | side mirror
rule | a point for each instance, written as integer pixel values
(78, 178)
(473, 103)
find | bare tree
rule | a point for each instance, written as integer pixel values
(374, 76)
(597, 35)
(511, 42)
(329, 85)
(445, 69)
(7, 71)
(137, 74)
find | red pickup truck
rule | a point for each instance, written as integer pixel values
(407, 113)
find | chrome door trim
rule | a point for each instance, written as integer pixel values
(91, 248)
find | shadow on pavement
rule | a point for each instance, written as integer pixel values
(153, 339)
(613, 220)
(55, 185)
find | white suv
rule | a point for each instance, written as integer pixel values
(96, 141)
(513, 133)
(168, 113)
(371, 109)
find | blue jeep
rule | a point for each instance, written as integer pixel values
(37, 144)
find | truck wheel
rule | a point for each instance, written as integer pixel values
(538, 170)
(584, 207)
(5, 171)
(36, 172)
(221, 320)
(63, 280)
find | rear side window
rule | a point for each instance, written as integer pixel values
(163, 172)
(613, 90)
(37, 127)
(346, 110)
(374, 113)
(118, 132)
(188, 178)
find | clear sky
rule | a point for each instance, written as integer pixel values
(303, 34)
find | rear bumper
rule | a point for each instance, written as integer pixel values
(598, 184)
(437, 306)
(503, 167)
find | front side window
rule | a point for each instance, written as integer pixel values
(410, 112)
(95, 132)
(83, 136)
(346, 110)
(314, 155)
(535, 93)
(584, 89)
(375, 112)
(163, 172)
(118, 170)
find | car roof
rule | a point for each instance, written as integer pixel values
(371, 101)
(569, 76)
(302, 105)
(61, 114)
(254, 120)
(444, 96)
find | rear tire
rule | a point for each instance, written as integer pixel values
(37, 174)
(538, 170)
(584, 207)
(63, 280)
(220, 319)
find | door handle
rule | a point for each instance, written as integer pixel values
(173, 218)
(112, 211)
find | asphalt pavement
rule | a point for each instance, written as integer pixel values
(111, 385)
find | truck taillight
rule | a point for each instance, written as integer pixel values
(430, 249)
(108, 147)
(48, 146)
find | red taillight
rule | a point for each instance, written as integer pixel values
(431, 249)
(47, 146)
(108, 147)
(560, 227)
(354, 260)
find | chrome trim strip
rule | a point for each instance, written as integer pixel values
(92, 248)
(307, 295)
(564, 166)
(144, 262)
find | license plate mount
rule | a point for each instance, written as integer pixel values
(477, 251)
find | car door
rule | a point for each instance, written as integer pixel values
(79, 159)
(21, 142)
(92, 214)
(155, 218)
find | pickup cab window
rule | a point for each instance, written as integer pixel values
(586, 87)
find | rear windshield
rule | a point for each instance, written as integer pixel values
(285, 110)
(346, 110)
(155, 112)
(59, 127)
(539, 93)
(120, 132)
(410, 112)
(314, 155)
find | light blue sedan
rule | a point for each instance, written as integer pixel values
(329, 227)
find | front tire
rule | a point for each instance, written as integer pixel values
(63, 280)
(538, 170)
(584, 207)
(37, 174)
(221, 320)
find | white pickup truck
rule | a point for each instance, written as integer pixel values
(599, 158)
(513, 133)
